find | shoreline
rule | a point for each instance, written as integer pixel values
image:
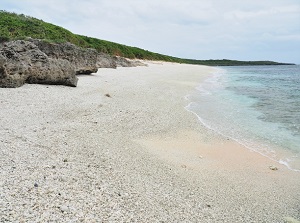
(282, 156)
(278, 162)
(137, 155)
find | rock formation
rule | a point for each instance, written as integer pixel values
(137, 63)
(123, 62)
(84, 60)
(41, 62)
(23, 62)
(105, 61)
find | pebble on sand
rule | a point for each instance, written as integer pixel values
(273, 168)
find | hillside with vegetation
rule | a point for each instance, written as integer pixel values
(18, 26)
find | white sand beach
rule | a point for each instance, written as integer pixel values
(121, 147)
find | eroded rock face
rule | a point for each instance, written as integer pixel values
(84, 60)
(137, 63)
(123, 62)
(105, 61)
(37, 61)
(23, 62)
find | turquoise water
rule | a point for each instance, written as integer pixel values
(258, 106)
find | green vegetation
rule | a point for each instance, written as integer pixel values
(225, 62)
(14, 26)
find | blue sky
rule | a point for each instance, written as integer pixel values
(197, 29)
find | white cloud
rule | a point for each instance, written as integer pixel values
(273, 11)
(184, 28)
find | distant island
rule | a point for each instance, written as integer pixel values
(19, 27)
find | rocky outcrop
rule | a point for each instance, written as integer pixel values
(84, 60)
(37, 61)
(123, 62)
(137, 63)
(23, 62)
(105, 61)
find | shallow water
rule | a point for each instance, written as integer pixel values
(258, 106)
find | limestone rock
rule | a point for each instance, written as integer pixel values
(105, 61)
(37, 61)
(84, 60)
(23, 62)
(123, 62)
(137, 63)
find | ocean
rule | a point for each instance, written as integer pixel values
(258, 106)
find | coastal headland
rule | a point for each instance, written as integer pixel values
(121, 147)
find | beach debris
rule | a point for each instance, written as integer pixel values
(208, 205)
(36, 185)
(108, 95)
(65, 160)
(201, 157)
(273, 168)
(183, 166)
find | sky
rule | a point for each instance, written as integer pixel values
(195, 29)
